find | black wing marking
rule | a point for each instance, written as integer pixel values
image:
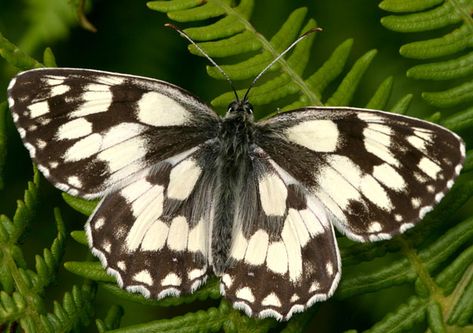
(284, 255)
(377, 173)
(89, 130)
(152, 234)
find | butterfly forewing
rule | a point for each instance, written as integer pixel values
(376, 173)
(89, 130)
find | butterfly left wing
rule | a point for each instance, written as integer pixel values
(284, 254)
(90, 130)
(376, 173)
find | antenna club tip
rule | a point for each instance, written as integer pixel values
(310, 31)
(170, 25)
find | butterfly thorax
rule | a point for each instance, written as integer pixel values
(236, 138)
(236, 135)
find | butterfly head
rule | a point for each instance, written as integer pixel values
(240, 108)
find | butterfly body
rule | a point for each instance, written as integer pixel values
(186, 193)
(233, 163)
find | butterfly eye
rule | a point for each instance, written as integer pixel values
(233, 106)
(248, 108)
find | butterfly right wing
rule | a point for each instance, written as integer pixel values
(377, 173)
(89, 130)
(152, 234)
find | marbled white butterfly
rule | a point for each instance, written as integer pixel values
(186, 193)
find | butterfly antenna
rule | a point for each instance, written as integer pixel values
(183, 34)
(301, 37)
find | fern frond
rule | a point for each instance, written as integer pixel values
(15, 56)
(446, 295)
(12, 307)
(459, 122)
(287, 87)
(112, 320)
(403, 319)
(75, 310)
(22, 289)
(380, 98)
(80, 237)
(399, 272)
(462, 312)
(83, 206)
(3, 141)
(210, 320)
(431, 15)
(49, 59)
(92, 270)
(21, 283)
(47, 265)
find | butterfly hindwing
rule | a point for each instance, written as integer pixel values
(377, 173)
(152, 234)
(284, 254)
(89, 130)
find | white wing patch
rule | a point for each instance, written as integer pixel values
(389, 177)
(178, 234)
(273, 194)
(317, 135)
(98, 99)
(84, 148)
(159, 110)
(74, 129)
(38, 109)
(257, 247)
(186, 169)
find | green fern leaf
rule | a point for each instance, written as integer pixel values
(83, 206)
(288, 88)
(89, 269)
(402, 320)
(424, 16)
(346, 89)
(75, 311)
(3, 142)
(15, 56)
(112, 320)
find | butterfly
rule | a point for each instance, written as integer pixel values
(186, 193)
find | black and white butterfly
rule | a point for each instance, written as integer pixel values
(186, 193)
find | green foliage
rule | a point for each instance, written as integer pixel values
(452, 25)
(233, 35)
(432, 264)
(21, 298)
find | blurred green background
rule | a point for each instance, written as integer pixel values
(130, 38)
